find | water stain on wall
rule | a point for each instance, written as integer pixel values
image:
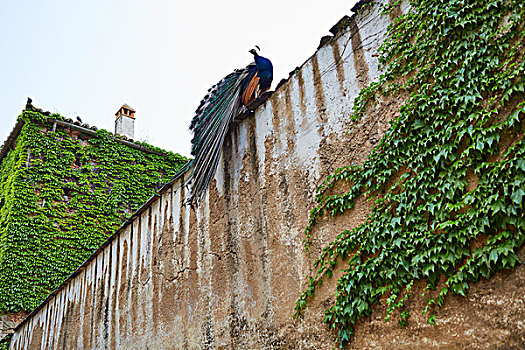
(338, 61)
(360, 65)
(320, 99)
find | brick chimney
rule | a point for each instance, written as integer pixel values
(125, 122)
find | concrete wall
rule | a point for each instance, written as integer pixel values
(227, 275)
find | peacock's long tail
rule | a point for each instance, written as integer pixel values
(210, 126)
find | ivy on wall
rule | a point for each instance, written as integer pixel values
(62, 193)
(4, 343)
(447, 181)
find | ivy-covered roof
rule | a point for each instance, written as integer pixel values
(64, 188)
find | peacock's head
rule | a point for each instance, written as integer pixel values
(254, 52)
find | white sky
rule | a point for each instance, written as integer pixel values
(87, 58)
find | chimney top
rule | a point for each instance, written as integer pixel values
(124, 123)
(125, 110)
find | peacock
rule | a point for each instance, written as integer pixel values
(216, 112)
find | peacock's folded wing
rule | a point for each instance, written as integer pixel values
(210, 125)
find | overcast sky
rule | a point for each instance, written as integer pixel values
(87, 58)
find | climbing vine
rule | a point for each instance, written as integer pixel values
(447, 181)
(4, 343)
(62, 193)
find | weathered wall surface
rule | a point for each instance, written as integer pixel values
(9, 321)
(227, 275)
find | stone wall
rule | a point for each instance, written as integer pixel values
(226, 276)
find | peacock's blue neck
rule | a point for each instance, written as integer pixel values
(263, 64)
(265, 72)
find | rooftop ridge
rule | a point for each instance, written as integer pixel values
(82, 127)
